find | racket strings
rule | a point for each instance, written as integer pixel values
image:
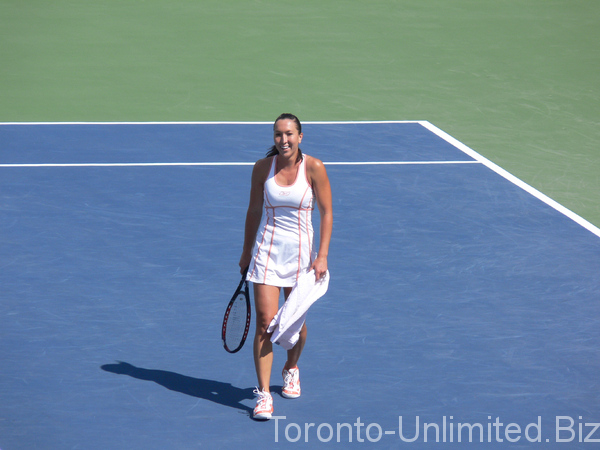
(236, 323)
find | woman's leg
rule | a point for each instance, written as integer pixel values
(293, 355)
(266, 300)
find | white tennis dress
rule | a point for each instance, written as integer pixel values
(284, 242)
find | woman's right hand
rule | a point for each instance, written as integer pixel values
(245, 262)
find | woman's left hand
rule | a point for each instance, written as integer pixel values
(320, 267)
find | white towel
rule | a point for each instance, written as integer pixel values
(288, 321)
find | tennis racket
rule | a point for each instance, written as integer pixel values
(236, 322)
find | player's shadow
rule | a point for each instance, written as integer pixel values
(214, 391)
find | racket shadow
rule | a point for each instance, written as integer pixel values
(211, 390)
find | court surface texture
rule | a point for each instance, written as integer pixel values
(458, 295)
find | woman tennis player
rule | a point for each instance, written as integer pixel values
(278, 244)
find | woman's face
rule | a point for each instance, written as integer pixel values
(286, 137)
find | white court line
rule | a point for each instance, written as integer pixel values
(165, 164)
(130, 164)
(212, 123)
(510, 177)
(396, 163)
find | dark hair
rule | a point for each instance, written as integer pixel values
(287, 116)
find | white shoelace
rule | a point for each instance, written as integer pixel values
(290, 377)
(263, 397)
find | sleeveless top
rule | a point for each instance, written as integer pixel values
(284, 241)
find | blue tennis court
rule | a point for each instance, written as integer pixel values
(463, 308)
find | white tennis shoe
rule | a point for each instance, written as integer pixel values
(291, 383)
(264, 405)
